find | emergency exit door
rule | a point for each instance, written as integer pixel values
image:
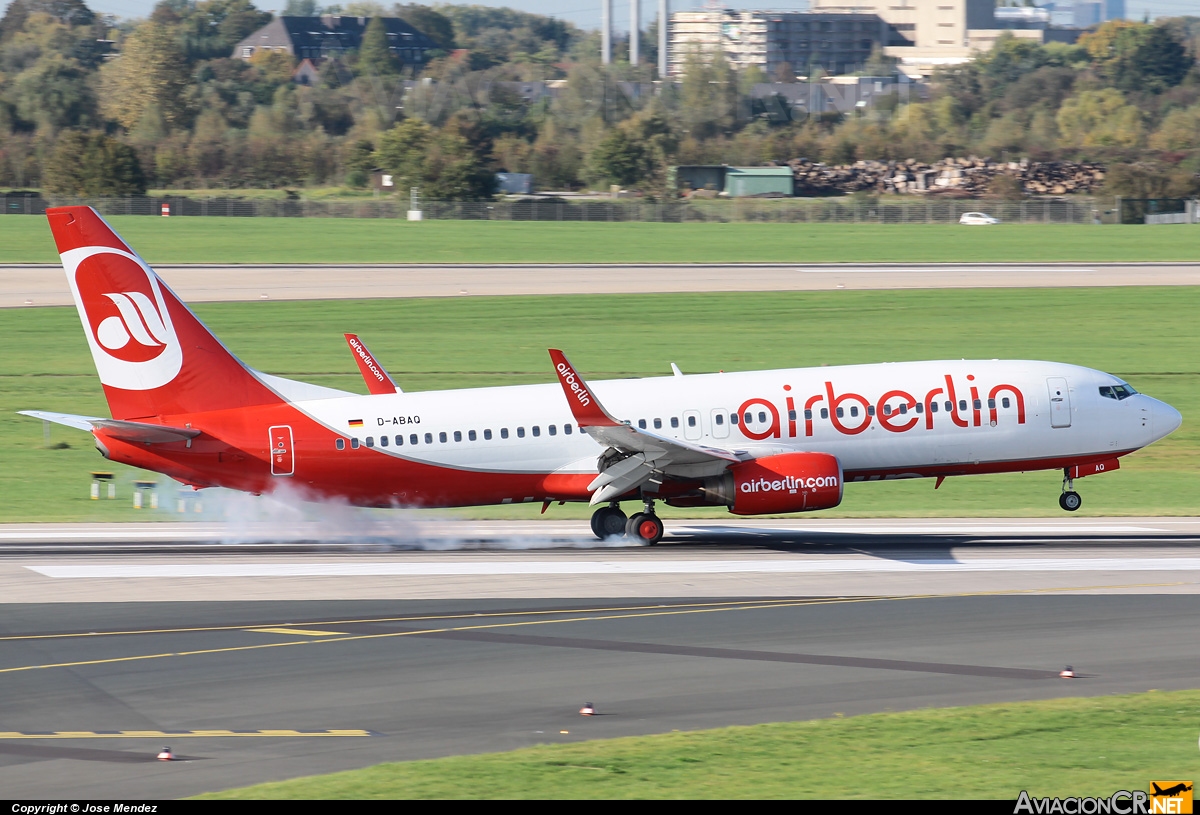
(283, 457)
(1060, 402)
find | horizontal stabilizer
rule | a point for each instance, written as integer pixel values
(117, 429)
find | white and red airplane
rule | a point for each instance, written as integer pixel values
(758, 442)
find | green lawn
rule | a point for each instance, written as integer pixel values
(1060, 747)
(26, 239)
(1149, 335)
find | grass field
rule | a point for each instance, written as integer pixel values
(1150, 336)
(1061, 747)
(26, 239)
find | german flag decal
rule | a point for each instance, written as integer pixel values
(356, 423)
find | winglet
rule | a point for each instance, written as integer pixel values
(378, 380)
(585, 407)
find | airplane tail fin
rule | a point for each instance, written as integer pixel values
(154, 356)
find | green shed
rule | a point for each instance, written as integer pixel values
(743, 181)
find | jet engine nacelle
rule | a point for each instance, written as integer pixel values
(791, 482)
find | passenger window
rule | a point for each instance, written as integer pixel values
(1004, 402)
(520, 432)
(854, 410)
(429, 438)
(458, 435)
(537, 431)
(962, 404)
(691, 421)
(383, 441)
(733, 419)
(762, 417)
(841, 412)
(399, 441)
(504, 432)
(642, 424)
(442, 437)
(413, 439)
(674, 421)
(749, 417)
(658, 424)
(340, 444)
(887, 410)
(808, 415)
(977, 404)
(566, 430)
(791, 415)
(949, 406)
(919, 408)
(370, 441)
(353, 444)
(992, 404)
(824, 413)
(487, 434)
(553, 430)
(904, 409)
(471, 435)
(933, 407)
(870, 410)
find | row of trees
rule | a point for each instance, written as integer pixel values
(161, 102)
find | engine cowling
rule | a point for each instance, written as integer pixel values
(790, 482)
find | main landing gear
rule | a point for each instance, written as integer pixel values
(1069, 500)
(610, 522)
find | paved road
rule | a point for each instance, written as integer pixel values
(431, 678)
(44, 285)
(421, 556)
(341, 653)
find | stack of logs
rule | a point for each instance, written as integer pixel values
(950, 177)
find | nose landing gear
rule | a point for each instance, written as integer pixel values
(1069, 500)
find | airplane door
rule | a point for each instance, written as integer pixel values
(720, 423)
(283, 456)
(1060, 402)
(691, 425)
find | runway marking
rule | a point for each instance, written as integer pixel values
(182, 734)
(300, 632)
(422, 617)
(799, 565)
(604, 615)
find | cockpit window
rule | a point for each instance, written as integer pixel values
(1117, 392)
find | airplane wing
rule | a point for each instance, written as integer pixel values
(378, 380)
(647, 453)
(118, 429)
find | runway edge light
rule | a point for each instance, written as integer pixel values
(587, 709)
(1067, 673)
(166, 755)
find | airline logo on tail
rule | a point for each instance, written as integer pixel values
(129, 328)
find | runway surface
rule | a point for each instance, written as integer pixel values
(44, 285)
(281, 654)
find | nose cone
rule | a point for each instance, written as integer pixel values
(1166, 419)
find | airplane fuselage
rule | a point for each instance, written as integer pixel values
(520, 443)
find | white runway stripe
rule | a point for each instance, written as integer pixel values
(800, 565)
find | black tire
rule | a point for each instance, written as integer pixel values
(608, 522)
(1070, 501)
(644, 527)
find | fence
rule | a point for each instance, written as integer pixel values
(776, 210)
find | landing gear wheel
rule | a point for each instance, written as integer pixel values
(645, 527)
(608, 522)
(1070, 501)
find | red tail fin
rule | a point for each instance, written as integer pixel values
(154, 357)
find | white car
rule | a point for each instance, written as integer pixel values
(977, 218)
